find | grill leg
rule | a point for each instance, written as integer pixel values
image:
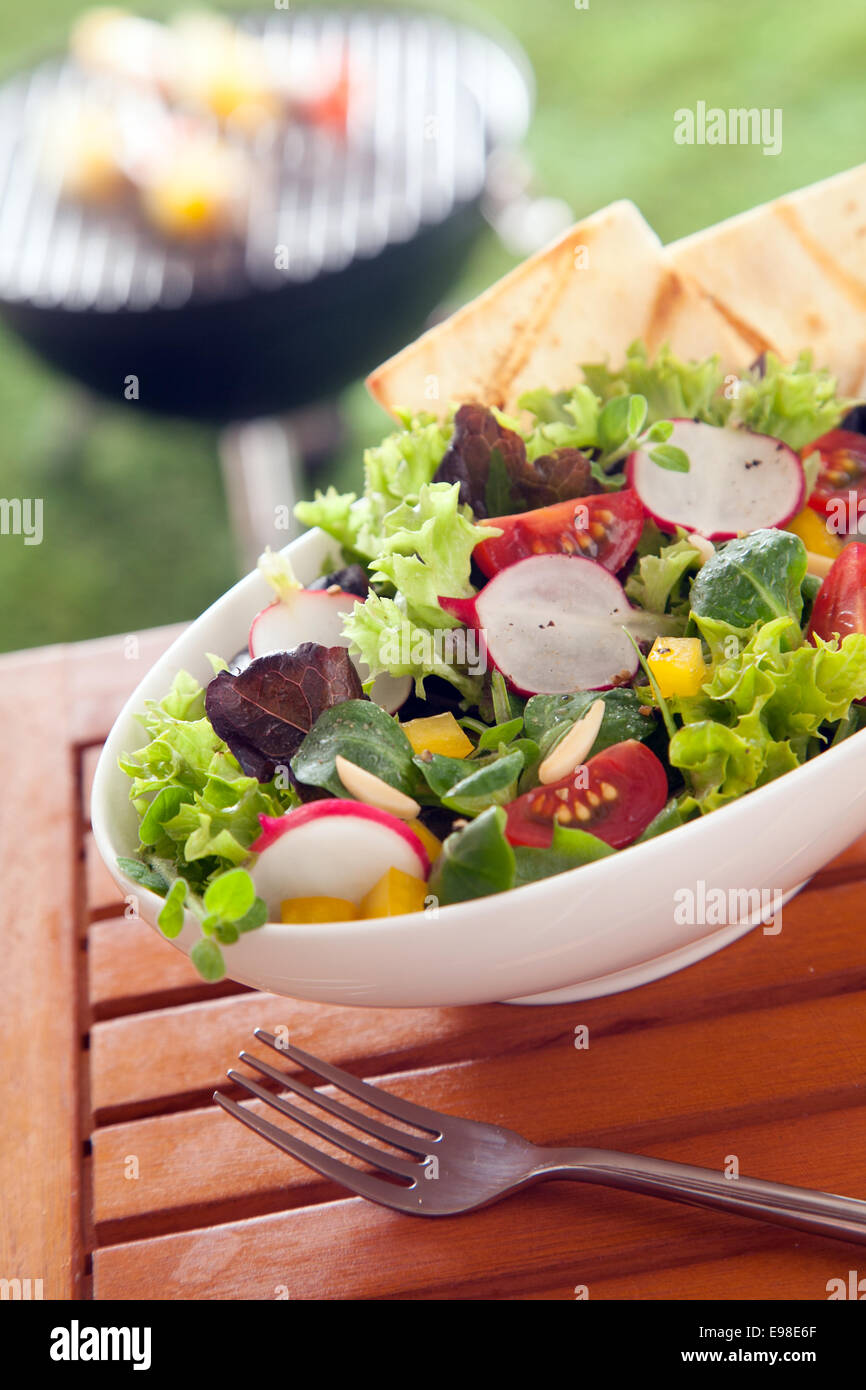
(263, 475)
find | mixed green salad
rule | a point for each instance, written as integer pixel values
(538, 640)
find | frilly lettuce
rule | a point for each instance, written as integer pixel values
(394, 472)
(673, 389)
(385, 638)
(656, 582)
(761, 712)
(793, 402)
(427, 551)
(200, 812)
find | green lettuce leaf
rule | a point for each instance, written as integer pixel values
(672, 388)
(387, 640)
(656, 582)
(790, 401)
(394, 472)
(365, 734)
(199, 811)
(753, 580)
(763, 710)
(427, 551)
(475, 861)
(569, 849)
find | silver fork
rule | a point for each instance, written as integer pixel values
(465, 1164)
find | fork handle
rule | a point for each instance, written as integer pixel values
(821, 1212)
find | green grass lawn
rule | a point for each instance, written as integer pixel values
(135, 525)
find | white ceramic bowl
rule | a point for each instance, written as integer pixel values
(595, 930)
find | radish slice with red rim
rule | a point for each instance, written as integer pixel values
(556, 623)
(737, 481)
(337, 847)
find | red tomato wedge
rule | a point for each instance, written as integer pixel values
(843, 472)
(614, 796)
(841, 603)
(605, 527)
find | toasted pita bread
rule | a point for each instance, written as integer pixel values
(792, 274)
(584, 298)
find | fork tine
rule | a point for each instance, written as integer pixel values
(412, 1143)
(389, 1163)
(386, 1194)
(417, 1115)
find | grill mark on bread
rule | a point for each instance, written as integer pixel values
(851, 287)
(756, 340)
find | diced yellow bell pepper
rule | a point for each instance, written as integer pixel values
(427, 838)
(678, 665)
(394, 894)
(813, 532)
(439, 734)
(298, 911)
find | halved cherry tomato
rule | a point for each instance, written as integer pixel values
(841, 603)
(619, 792)
(605, 527)
(843, 472)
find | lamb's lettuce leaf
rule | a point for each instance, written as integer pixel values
(367, 736)
(475, 861)
(569, 849)
(753, 580)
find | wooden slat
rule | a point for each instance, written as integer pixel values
(131, 968)
(556, 1236)
(89, 759)
(552, 1094)
(102, 894)
(39, 1134)
(793, 1272)
(184, 1052)
(102, 674)
(851, 863)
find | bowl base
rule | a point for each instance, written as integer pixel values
(647, 971)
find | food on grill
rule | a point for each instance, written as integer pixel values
(203, 63)
(86, 154)
(195, 188)
(172, 111)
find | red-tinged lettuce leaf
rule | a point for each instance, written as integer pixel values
(264, 712)
(482, 457)
(557, 477)
(496, 478)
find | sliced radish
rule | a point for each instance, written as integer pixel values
(341, 848)
(737, 482)
(317, 615)
(555, 623)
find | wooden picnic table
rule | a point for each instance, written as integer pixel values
(121, 1178)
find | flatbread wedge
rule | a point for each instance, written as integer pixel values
(792, 274)
(584, 298)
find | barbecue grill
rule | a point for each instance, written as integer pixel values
(373, 228)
